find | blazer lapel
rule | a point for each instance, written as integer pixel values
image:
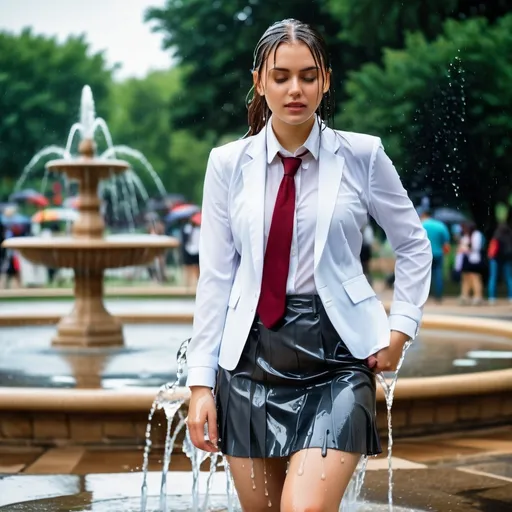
(329, 179)
(254, 175)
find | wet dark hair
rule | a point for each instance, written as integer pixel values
(288, 31)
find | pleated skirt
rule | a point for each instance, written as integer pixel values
(296, 386)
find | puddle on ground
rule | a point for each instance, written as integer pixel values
(82, 503)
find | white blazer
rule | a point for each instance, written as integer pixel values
(356, 178)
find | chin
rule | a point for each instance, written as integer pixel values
(296, 119)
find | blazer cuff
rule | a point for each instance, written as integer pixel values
(405, 317)
(399, 307)
(201, 376)
(403, 324)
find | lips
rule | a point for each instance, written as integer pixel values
(295, 105)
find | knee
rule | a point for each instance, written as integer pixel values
(294, 505)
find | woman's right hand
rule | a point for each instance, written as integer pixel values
(201, 412)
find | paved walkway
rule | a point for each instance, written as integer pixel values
(462, 472)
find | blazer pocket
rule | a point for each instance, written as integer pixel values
(358, 289)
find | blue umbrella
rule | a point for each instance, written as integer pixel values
(183, 212)
(449, 216)
(16, 219)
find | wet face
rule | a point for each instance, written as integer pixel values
(292, 83)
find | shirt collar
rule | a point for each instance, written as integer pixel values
(312, 144)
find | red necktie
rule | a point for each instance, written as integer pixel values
(272, 303)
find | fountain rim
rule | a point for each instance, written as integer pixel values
(140, 399)
(86, 162)
(105, 243)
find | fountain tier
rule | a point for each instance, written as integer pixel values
(88, 253)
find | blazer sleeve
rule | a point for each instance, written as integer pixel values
(217, 260)
(391, 207)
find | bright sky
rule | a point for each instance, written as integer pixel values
(115, 26)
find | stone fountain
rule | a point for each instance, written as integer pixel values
(88, 251)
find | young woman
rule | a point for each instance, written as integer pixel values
(287, 330)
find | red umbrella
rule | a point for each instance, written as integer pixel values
(30, 196)
(184, 206)
(196, 218)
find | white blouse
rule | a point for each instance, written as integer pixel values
(301, 273)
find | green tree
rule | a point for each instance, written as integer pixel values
(443, 109)
(216, 40)
(40, 86)
(142, 119)
(375, 25)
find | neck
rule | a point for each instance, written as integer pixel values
(292, 137)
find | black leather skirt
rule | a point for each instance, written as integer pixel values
(296, 386)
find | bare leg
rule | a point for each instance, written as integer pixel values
(187, 270)
(477, 286)
(317, 483)
(465, 287)
(258, 482)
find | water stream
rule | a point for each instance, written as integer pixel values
(170, 399)
(124, 191)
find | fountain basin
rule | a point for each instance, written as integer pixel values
(423, 405)
(93, 254)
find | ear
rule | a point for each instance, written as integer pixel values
(327, 81)
(257, 83)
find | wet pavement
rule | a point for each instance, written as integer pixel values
(439, 489)
(460, 472)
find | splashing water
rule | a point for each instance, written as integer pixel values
(389, 393)
(137, 155)
(87, 113)
(125, 200)
(45, 152)
(168, 400)
(170, 404)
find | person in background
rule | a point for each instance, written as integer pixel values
(191, 232)
(439, 237)
(10, 269)
(471, 246)
(500, 260)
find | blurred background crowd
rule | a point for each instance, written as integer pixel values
(432, 80)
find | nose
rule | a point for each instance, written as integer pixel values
(295, 89)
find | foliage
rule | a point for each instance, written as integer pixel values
(443, 111)
(376, 25)
(40, 85)
(142, 117)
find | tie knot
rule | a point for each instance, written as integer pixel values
(291, 164)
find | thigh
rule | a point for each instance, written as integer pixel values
(315, 482)
(258, 482)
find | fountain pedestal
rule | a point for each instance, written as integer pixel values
(89, 324)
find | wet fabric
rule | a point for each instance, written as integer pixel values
(296, 386)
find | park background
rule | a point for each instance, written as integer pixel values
(432, 78)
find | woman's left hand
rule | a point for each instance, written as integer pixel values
(386, 359)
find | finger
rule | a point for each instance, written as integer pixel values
(196, 431)
(212, 429)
